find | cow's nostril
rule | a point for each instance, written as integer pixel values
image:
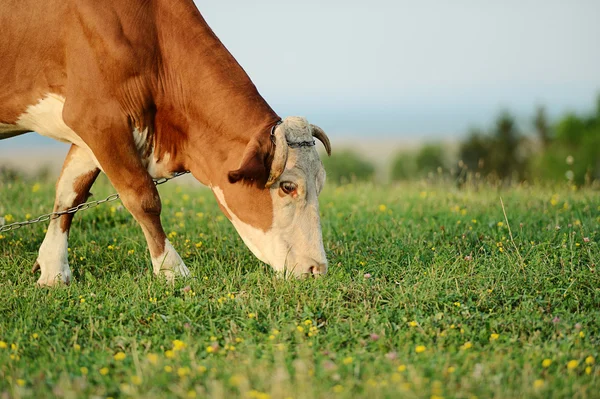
(318, 270)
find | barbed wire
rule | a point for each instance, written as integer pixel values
(81, 207)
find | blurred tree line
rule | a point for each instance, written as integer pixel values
(568, 150)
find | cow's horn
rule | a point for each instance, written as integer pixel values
(280, 156)
(320, 134)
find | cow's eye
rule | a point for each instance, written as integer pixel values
(288, 187)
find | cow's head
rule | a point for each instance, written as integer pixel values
(272, 198)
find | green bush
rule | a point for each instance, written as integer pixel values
(347, 166)
(9, 175)
(404, 166)
(474, 152)
(502, 153)
(574, 153)
(429, 159)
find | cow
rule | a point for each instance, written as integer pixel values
(144, 89)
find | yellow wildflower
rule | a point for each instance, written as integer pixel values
(152, 358)
(235, 380)
(104, 371)
(178, 345)
(183, 371)
(546, 363)
(136, 380)
(119, 356)
(420, 349)
(572, 364)
(589, 360)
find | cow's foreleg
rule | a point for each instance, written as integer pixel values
(72, 188)
(140, 196)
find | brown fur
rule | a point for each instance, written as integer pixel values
(147, 64)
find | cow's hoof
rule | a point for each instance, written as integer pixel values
(173, 272)
(182, 271)
(169, 264)
(52, 278)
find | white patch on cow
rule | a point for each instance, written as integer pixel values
(254, 238)
(53, 254)
(169, 263)
(155, 168)
(294, 242)
(140, 138)
(53, 257)
(45, 118)
(158, 169)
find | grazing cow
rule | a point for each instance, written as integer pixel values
(143, 89)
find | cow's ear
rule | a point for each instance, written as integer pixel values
(254, 167)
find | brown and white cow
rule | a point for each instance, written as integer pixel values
(144, 89)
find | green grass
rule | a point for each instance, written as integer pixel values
(445, 276)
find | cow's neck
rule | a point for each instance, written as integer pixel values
(208, 109)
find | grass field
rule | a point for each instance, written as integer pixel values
(428, 296)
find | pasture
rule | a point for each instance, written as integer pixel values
(432, 292)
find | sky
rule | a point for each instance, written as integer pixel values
(406, 68)
(422, 69)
